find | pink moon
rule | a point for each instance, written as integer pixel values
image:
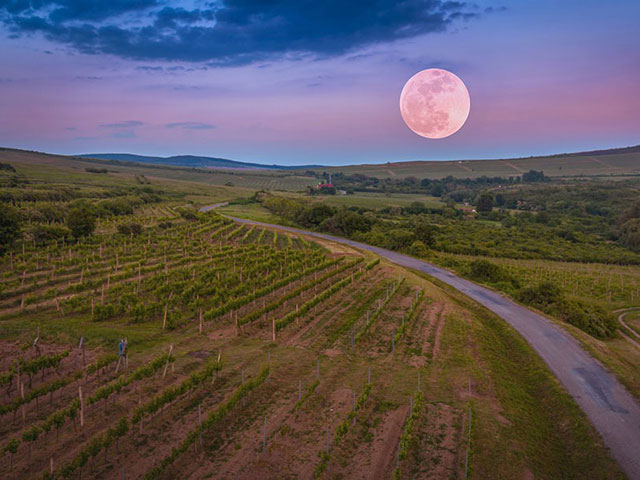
(434, 103)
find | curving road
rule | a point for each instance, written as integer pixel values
(609, 406)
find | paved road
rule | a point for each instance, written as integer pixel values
(609, 406)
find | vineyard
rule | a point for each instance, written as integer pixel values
(177, 343)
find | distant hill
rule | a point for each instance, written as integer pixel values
(597, 163)
(192, 161)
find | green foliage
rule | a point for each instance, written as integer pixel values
(408, 319)
(11, 446)
(310, 390)
(81, 220)
(363, 331)
(534, 176)
(541, 296)
(549, 298)
(171, 393)
(346, 222)
(212, 419)
(255, 314)
(130, 228)
(9, 227)
(425, 233)
(45, 234)
(487, 272)
(105, 391)
(405, 439)
(485, 203)
(308, 305)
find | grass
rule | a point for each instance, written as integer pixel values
(523, 419)
(379, 200)
(56, 168)
(521, 410)
(251, 211)
(600, 164)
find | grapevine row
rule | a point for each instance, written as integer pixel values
(305, 307)
(214, 417)
(377, 313)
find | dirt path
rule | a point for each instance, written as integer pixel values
(609, 406)
(620, 319)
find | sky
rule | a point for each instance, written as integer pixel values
(299, 82)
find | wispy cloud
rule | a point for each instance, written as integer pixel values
(125, 124)
(124, 134)
(191, 125)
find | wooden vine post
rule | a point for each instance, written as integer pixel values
(81, 406)
(166, 366)
(164, 318)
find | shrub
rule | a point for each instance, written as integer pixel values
(541, 295)
(132, 228)
(81, 221)
(9, 227)
(44, 234)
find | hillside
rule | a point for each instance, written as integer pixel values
(613, 162)
(190, 161)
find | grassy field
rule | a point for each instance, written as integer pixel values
(253, 353)
(606, 163)
(64, 169)
(377, 200)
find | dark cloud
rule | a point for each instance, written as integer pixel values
(191, 125)
(125, 124)
(229, 32)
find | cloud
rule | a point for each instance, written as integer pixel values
(229, 32)
(191, 125)
(124, 134)
(125, 124)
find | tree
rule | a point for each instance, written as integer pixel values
(630, 234)
(415, 208)
(81, 221)
(9, 227)
(534, 176)
(424, 233)
(345, 222)
(485, 203)
(314, 215)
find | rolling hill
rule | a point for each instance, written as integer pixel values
(598, 163)
(192, 161)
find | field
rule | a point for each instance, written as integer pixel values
(252, 353)
(597, 164)
(56, 167)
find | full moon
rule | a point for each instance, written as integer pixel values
(434, 103)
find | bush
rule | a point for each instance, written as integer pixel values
(43, 234)
(130, 228)
(346, 223)
(81, 221)
(485, 203)
(9, 227)
(541, 295)
(418, 249)
(588, 318)
(485, 271)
